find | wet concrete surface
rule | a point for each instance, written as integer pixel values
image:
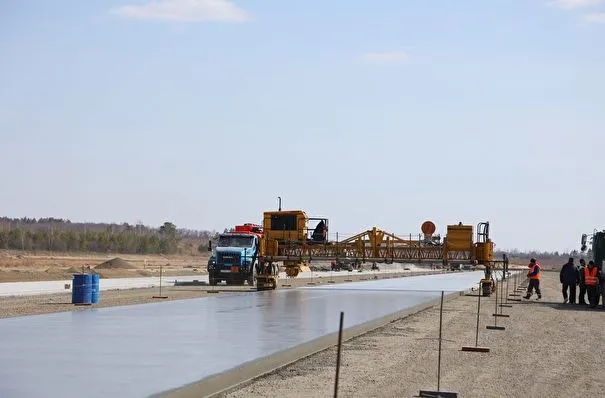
(139, 350)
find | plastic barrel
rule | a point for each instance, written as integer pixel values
(81, 292)
(94, 298)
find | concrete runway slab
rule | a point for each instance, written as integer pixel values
(140, 350)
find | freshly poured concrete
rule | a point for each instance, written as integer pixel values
(445, 282)
(136, 351)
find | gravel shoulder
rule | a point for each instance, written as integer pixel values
(49, 303)
(541, 353)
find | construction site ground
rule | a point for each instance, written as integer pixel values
(22, 266)
(47, 303)
(548, 349)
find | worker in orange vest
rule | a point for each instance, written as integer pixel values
(534, 276)
(591, 281)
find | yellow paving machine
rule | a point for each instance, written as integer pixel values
(292, 238)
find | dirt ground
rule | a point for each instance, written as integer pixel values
(548, 349)
(16, 266)
(40, 304)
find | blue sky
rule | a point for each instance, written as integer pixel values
(371, 113)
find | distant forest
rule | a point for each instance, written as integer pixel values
(60, 235)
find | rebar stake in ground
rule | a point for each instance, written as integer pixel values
(476, 348)
(439, 393)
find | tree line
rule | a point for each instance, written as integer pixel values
(60, 224)
(59, 235)
(547, 257)
(63, 235)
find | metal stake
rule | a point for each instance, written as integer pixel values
(501, 292)
(440, 329)
(495, 327)
(160, 296)
(342, 314)
(476, 348)
(515, 289)
(439, 393)
(507, 305)
(478, 312)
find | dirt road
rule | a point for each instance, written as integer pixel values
(548, 349)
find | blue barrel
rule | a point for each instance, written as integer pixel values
(81, 289)
(94, 298)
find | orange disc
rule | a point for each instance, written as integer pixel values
(428, 228)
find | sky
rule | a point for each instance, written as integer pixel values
(379, 113)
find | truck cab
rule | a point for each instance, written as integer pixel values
(235, 256)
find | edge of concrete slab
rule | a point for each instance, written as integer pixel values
(246, 373)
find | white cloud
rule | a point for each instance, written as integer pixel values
(571, 4)
(597, 17)
(184, 11)
(388, 56)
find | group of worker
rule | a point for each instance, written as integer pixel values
(587, 278)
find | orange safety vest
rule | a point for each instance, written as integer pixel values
(538, 276)
(590, 276)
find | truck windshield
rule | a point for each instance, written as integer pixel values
(235, 241)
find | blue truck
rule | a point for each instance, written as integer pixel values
(235, 257)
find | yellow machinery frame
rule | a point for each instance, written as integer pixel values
(289, 244)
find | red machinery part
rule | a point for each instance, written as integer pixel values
(428, 228)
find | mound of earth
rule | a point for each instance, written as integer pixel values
(115, 263)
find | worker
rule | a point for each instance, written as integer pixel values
(534, 276)
(591, 281)
(581, 285)
(569, 278)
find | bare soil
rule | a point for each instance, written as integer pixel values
(16, 266)
(548, 349)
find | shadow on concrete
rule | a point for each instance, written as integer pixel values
(227, 290)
